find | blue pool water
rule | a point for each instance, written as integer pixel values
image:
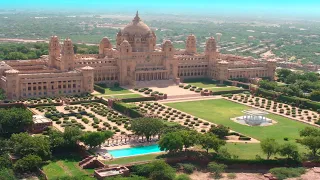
(139, 150)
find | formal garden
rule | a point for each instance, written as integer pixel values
(90, 116)
(292, 112)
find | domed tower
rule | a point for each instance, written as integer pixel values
(139, 35)
(67, 56)
(211, 49)
(191, 44)
(103, 46)
(54, 51)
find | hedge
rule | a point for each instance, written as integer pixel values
(128, 109)
(99, 89)
(139, 99)
(303, 103)
(229, 92)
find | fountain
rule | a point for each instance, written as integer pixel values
(254, 117)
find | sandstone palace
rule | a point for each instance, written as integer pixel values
(133, 58)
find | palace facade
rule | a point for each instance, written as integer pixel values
(133, 58)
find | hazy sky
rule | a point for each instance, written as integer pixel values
(286, 7)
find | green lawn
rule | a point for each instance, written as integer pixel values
(203, 84)
(229, 88)
(122, 96)
(66, 165)
(116, 90)
(220, 111)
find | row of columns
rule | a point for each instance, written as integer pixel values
(151, 76)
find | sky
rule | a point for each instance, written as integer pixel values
(262, 7)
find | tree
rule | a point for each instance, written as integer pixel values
(24, 145)
(5, 161)
(71, 135)
(216, 169)
(189, 138)
(7, 174)
(221, 131)
(283, 74)
(94, 139)
(156, 170)
(147, 127)
(209, 141)
(309, 131)
(269, 85)
(172, 142)
(312, 143)
(315, 95)
(14, 120)
(290, 150)
(29, 163)
(162, 171)
(269, 147)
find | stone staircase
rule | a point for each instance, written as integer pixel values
(86, 162)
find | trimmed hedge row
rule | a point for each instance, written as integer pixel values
(99, 89)
(296, 101)
(139, 99)
(127, 109)
(229, 92)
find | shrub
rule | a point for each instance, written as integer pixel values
(286, 139)
(284, 173)
(216, 169)
(232, 176)
(182, 177)
(187, 167)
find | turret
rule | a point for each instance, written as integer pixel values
(211, 49)
(54, 51)
(12, 88)
(104, 44)
(271, 65)
(67, 56)
(88, 81)
(191, 44)
(125, 50)
(222, 70)
(168, 49)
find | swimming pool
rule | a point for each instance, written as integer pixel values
(134, 151)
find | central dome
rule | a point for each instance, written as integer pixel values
(136, 27)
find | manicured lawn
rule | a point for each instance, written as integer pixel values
(66, 165)
(126, 160)
(229, 88)
(203, 84)
(220, 111)
(122, 96)
(117, 90)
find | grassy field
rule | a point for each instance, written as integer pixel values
(122, 96)
(116, 90)
(220, 111)
(203, 84)
(66, 165)
(229, 88)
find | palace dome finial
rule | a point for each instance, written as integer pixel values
(136, 27)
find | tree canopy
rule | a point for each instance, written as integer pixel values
(220, 131)
(147, 127)
(94, 139)
(269, 147)
(210, 141)
(24, 145)
(14, 120)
